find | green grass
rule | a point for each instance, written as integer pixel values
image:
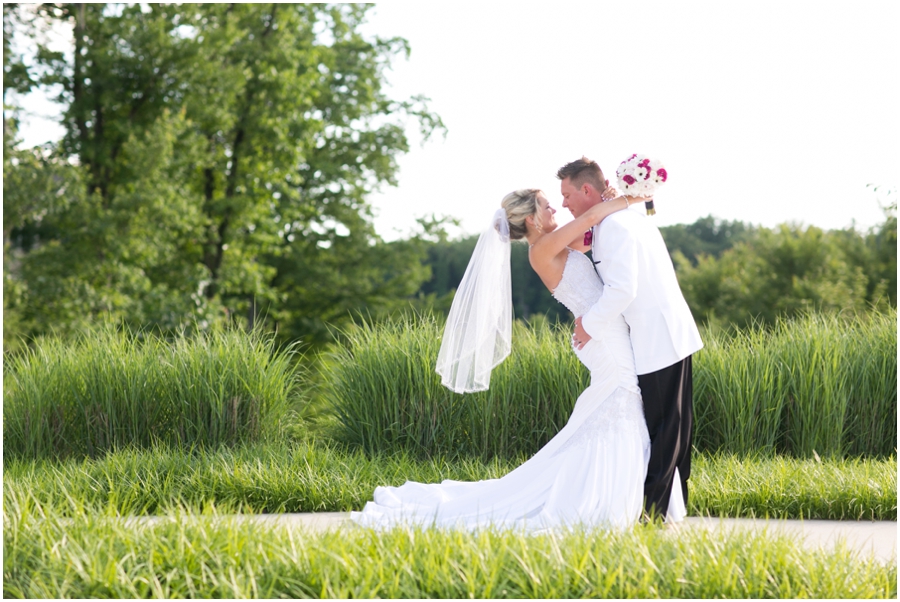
(122, 424)
(90, 556)
(385, 392)
(817, 385)
(114, 388)
(836, 489)
(306, 477)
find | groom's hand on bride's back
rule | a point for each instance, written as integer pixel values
(580, 338)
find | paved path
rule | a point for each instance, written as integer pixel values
(878, 538)
(871, 538)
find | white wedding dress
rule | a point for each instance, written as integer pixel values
(591, 473)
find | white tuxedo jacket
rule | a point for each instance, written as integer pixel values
(639, 283)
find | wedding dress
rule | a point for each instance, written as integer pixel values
(591, 473)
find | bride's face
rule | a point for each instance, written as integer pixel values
(547, 219)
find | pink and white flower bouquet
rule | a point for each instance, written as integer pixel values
(640, 175)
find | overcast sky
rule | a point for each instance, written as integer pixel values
(765, 112)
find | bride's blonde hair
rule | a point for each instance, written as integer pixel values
(519, 204)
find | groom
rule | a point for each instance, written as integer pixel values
(639, 283)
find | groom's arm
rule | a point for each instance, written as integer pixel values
(618, 247)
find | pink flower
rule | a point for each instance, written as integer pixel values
(646, 165)
(588, 237)
(629, 180)
(661, 172)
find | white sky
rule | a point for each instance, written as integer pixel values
(761, 111)
(765, 112)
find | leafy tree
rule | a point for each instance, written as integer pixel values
(784, 271)
(448, 260)
(882, 263)
(16, 75)
(707, 236)
(225, 154)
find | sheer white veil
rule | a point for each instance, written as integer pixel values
(479, 328)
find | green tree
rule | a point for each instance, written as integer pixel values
(226, 153)
(707, 236)
(882, 263)
(731, 274)
(783, 271)
(16, 76)
(448, 260)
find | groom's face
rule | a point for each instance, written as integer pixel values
(575, 199)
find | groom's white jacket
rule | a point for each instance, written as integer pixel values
(639, 283)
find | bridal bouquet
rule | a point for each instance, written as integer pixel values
(640, 176)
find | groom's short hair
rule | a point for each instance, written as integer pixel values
(583, 171)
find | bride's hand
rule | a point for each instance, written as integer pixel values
(580, 337)
(599, 211)
(610, 193)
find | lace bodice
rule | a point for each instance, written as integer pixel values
(610, 358)
(580, 287)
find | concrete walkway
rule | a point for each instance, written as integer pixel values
(876, 539)
(870, 538)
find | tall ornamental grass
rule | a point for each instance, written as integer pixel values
(821, 385)
(110, 388)
(815, 385)
(387, 396)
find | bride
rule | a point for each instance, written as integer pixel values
(592, 472)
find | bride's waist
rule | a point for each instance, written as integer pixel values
(609, 350)
(617, 325)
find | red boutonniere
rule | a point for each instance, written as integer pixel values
(588, 238)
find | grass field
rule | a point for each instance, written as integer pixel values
(123, 424)
(316, 477)
(90, 556)
(821, 385)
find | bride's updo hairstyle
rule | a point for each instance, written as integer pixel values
(519, 205)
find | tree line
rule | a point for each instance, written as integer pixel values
(732, 273)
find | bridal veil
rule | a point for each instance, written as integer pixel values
(478, 333)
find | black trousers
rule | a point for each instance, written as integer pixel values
(668, 408)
